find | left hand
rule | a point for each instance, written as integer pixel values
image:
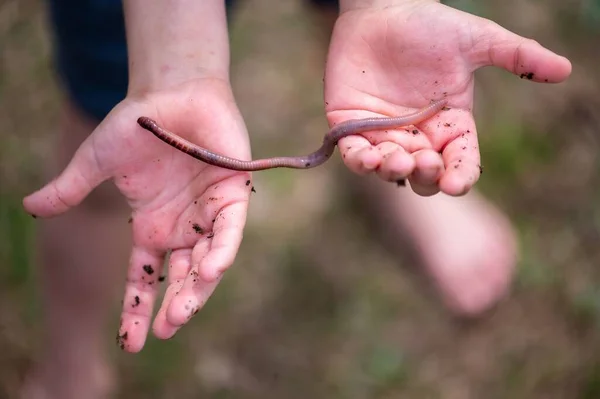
(395, 56)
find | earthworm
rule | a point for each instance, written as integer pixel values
(336, 133)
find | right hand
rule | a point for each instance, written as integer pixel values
(178, 203)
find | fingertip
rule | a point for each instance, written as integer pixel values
(429, 159)
(26, 202)
(396, 166)
(64, 192)
(541, 65)
(210, 274)
(181, 309)
(361, 157)
(428, 170)
(563, 70)
(131, 336)
(459, 179)
(220, 256)
(165, 331)
(161, 328)
(366, 161)
(371, 158)
(189, 300)
(45, 202)
(521, 56)
(453, 187)
(567, 66)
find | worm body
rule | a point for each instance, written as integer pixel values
(338, 132)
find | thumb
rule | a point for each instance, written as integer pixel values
(523, 57)
(77, 180)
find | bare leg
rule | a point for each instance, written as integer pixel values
(81, 258)
(467, 246)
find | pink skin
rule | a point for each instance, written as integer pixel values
(199, 212)
(338, 132)
(386, 61)
(382, 62)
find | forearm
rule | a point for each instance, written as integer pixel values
(173, 41)
(348, 5)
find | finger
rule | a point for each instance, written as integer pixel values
(180, 263)
(455, 136)
(526, 58)
(141, 290)
(428, 170)
(463, 168)
(161, 327)
(208, 266)
(397, 164)
(359, 155)
(410, 138)
(227, 236)
(192, 296)
(71, 187)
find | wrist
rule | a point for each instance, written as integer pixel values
(171, 42)
(351, 5)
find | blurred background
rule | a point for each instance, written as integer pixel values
(316, 306)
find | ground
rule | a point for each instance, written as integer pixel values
(316, 306)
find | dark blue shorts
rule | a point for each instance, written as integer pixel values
(91, 51)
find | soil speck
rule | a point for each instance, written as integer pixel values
(148, 269)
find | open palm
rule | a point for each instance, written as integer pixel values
(390, 61)
(181, 205)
